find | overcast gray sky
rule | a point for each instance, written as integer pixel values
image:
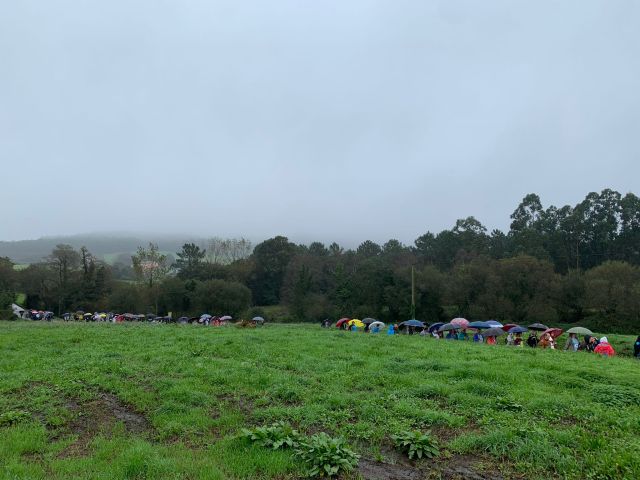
(324, 120)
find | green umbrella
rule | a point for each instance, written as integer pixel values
(580, 331)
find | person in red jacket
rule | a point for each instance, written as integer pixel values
(604, 348)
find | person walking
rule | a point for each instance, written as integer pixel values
(604, 348)
(572, 343)
(591, 343)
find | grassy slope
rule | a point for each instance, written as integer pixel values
(525, 412)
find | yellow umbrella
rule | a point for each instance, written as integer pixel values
(356, 322)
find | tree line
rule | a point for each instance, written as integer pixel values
(555, 265)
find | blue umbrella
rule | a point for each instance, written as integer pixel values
(479, 325)
(493, 332)
(412, 323)
(448, 326)
(435, 327)
(518, 329)
(494, 323)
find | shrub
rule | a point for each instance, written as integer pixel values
(326, 456)
(416, 444)
(278, 435)
(6, 298)
(12, 417)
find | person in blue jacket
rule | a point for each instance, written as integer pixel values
(391, 330)
(636, 348)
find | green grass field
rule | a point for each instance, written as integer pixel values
(111, 401)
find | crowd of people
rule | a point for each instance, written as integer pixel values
(458, 329)
(80, 316)
(490, 332)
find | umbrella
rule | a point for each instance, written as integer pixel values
(368, 320)
(258, 319)
(358, 323)
(226, 318)
(447, 326)
(538, 326)
(554, 332)
(508, 326)
(204, 316)
(341, 321)
(494, 323)
(580, 331)
(412, 323)
(493, 332)
(377, 323)
(479, 325)
(460, 322)
(435, 327)
(517, 329)
(183, 320)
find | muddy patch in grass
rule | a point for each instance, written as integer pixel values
(100, 416)
(394, 466)
(464, 467)
(458, 467)
(372, 470)
(447, 466)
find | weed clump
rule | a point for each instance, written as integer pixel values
(323, 455)
(507, 404)
(278, 435)
(416, 444)
(12, 417)
(326, 456)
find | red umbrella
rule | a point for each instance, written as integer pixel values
(460, 322)
(554, 332)
(508, 326)
(341, 321)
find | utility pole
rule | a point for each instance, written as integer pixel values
(413, 293)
